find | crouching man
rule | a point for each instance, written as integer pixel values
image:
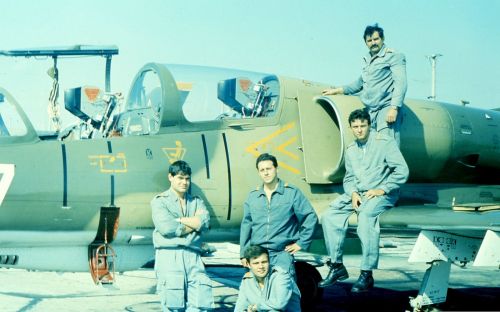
(266, 288)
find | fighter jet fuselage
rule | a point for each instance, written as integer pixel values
(91, 184)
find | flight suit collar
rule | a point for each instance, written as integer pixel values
(371, 135)
(250, 274)
(280, 189)
(171, 193)
(165, 193)
(368, 57)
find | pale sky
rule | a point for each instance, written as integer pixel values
(317, 40)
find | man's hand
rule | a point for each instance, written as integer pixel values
(392, 114)
(374, 193)
(356, 200)
(191, 222)
(332, 91)
(244, 262)
(293, 248)
(252, 308)
(187, 230)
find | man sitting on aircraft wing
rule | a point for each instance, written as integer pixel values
(277, 216)
(266, 288)
(179, 220)
(375, 169)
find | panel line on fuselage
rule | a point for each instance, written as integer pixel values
(112, 178)
(230, 199)
(65, 176)
(207, 164)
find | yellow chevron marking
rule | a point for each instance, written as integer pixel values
(280, 149)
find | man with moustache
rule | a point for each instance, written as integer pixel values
(382, 84)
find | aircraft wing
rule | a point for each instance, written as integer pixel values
(472, 219)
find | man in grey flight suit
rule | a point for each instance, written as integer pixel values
(266, 288)
(276, 216)
(382, 83)
(375, 169)
(179, 220)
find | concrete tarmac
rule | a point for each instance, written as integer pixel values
(471, 289)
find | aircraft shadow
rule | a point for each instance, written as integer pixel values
(338, 298)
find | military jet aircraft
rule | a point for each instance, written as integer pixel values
(78, 200)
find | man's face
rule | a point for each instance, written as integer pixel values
(259, 265)
(374, 43)
(267, 171)
(360, 129)
(179, 183)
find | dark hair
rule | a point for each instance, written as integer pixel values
(369, 30)
(179, 167)
(361, 114)
(264, 157)
(254, 251)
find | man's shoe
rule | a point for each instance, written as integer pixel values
(337, 272)
(365, 282)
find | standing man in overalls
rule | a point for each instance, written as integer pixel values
(180, 219)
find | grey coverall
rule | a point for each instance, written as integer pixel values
(280, 292)
(183, 284)
(378, 164)
(382, 84)
(288, 218)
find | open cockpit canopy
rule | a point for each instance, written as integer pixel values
(169, 94)
(14, 124)
(164, 95)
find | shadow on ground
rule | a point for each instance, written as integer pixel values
(339, 299)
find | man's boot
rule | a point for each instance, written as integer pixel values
(365, 282)
(337, 272)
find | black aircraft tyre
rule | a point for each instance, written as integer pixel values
(307, 281)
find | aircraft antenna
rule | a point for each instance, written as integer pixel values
(432, 58)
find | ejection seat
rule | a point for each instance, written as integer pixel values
(142, 120)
